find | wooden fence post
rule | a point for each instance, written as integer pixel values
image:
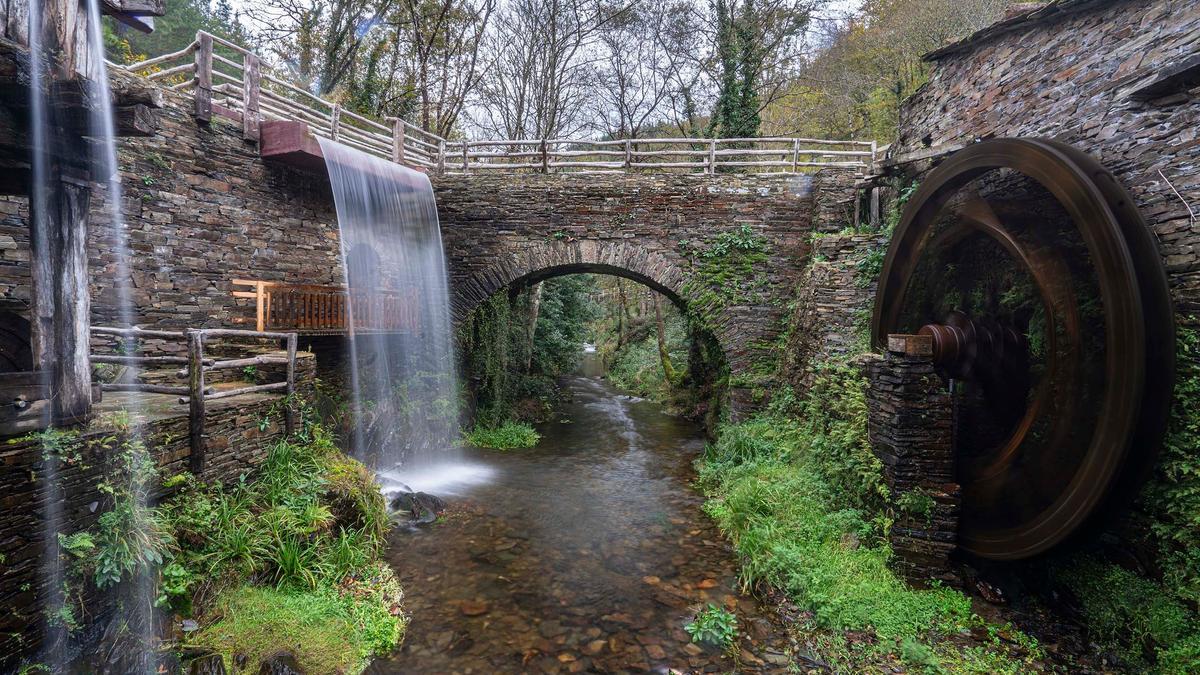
(545, 158)
(398, 141)
(250, 92)
(441, 163)
(335, 121)
(712, 156)
(196, 400)
(466, 159)
(628, 153)
(795, 154)
(290, 411)
(874, 149)
(203, 60)
(260, 307)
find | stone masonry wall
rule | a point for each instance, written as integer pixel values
(1074, 78)
(833, 304)
(506, 229)
(235, 445)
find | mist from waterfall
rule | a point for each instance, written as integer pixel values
(402, 365)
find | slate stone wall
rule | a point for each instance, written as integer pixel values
(1076, 78)
(832, 305)
(237, 444)
(501, 230)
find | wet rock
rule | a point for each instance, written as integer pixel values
(281, 663)
(707, 583)
(656, 652)
(473, 608)
(595, 646)
(209, 664)
(421, 507)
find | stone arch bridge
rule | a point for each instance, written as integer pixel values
(505, 231)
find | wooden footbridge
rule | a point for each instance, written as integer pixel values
(231, 82)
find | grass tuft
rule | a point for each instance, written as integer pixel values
(507, 436)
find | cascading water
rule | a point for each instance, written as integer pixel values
(137, 610)
(402, 369)
(39, 195)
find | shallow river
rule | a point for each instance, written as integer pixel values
(588, 553)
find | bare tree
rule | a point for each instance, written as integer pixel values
(635, 72)
(540, 71)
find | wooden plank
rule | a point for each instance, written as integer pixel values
(1173, 79)
(203, 93)
(291, 143)
(251, 80)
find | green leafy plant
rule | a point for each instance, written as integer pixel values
(507, 436)
(713, 625)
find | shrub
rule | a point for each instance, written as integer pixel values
(504, 437)
(713, 625)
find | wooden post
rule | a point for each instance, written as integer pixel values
(250, 93)
(628, 153)
(204, 61)
(259, 307)
(874, 149)
(290, 410)
(545, 158)
(466, 159)
(398, 141)
(61, 310)
(795, 155)
(335, 121)
(196, 399)
(441, 161)
(712, 156)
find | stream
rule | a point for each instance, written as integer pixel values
(588, 553)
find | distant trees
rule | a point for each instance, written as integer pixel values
(612, 68)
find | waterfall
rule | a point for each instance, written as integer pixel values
(402, 368)
(138, 613)
(39, 195)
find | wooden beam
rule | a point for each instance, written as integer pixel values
(196, 401)
(1174, 79)
(250, 92)
(136, 120)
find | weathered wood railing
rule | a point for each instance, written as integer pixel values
(230, 81)
(328, 309)
(196, 393)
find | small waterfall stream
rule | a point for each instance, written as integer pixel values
(402, 368)
(39, 195)
(136, 608)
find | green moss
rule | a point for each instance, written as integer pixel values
(507, 436)
(327, 630)
(724, 273)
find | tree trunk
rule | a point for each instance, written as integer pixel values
(663, 354)
(535, 303)
(622, 312)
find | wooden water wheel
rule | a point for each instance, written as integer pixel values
(1049, 310)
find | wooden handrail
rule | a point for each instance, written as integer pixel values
(254, 96)
(328, 309)
(196, 393)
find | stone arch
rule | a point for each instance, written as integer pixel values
(538, 261)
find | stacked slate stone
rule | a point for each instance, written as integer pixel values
(911, 428)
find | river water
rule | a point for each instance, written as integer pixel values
(588, 553)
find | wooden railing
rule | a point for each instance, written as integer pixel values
(195, 393)
(230, 81)
(327, 309)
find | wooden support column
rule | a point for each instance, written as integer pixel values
(196, 400)
(545, 157)
(61, 299)
(203, 93)
(251, 120)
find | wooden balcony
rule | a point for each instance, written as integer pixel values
(325, 310)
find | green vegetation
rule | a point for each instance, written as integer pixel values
(723, 271)
(801, 496)
(504, 437)
(255, 563)
(515, 347)
(714, 626)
